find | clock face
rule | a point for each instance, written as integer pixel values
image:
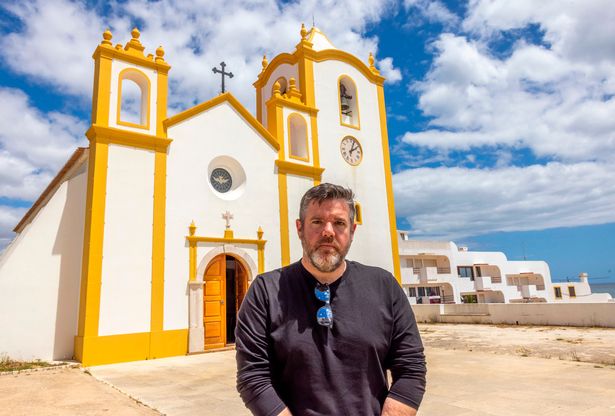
(351, 150)
(221, 180)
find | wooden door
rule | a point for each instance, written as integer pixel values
(214, 294)
(241, 283)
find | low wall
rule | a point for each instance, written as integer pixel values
(564, 314)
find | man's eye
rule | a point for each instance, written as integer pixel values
(340, 223)
(316, 222)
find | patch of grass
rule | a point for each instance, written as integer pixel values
(524, 352)
(7, 364)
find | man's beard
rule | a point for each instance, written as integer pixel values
(325, 262)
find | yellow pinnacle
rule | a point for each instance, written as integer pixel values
(192, 228)
(159, 54)
(371, 60)
(276, 88)
(260, 233)
(107, 38)
(265, 62)
(135, 33)
(303, 31)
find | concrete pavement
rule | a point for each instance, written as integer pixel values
(460, 383)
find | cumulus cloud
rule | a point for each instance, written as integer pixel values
(549, 90)
(33, 147)
(387, 70)
(433, 11)
(457, 202)
(9, 217)
(196, 36)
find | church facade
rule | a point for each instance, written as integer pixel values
(145, 243)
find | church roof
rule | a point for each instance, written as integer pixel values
(229, 98)
(319, 40)
(77, 158)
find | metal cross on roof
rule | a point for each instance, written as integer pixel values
(228, 217)
(221, 71)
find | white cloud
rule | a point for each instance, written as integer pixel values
(387, 70)
(58, 37)
(33, 145)
(53, 47)
(555, 98)
(433, 11)
(9, 217)
(457, 202)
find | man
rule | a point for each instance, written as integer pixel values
(316, 337)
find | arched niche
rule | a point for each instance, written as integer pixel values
(133, 99)
(283, 85)
(348, 102)
(297, 137)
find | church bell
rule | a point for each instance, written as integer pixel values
(345, 101)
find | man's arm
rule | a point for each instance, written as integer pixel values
(394, 408)
(405, 358)
(253, 361)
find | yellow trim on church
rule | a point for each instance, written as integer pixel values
(389, 183)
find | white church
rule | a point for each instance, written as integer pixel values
(144, 244)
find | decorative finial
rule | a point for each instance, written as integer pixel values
(107, 38)
(303, 31)
(159, 54)
(371, 61)
(135, 33)
(276, 88)
(260, 233)
(292, 84)
(192, 228)
(265, 62)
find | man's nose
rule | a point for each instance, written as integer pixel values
(328, 229)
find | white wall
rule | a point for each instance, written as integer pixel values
(125, 297)
(40, 277)
(372, 243)
(565, 314)
(297, 186)
(218, 132)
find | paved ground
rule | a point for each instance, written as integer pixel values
(473, 370)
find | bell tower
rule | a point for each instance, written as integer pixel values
(122, 278)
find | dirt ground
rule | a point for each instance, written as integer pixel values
(72, 391)
(593, 345)
(61, 392)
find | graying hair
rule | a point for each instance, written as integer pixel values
(325, 192)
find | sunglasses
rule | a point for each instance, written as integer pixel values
(324, 315)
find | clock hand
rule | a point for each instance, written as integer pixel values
(353, 148)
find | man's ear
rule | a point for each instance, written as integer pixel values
(298, 225)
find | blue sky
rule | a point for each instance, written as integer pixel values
(500, 113)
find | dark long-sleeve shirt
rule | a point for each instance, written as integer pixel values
(285, 359)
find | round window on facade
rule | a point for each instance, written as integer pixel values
(226, 177)
(221, 180)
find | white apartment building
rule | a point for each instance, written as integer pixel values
(442, 272)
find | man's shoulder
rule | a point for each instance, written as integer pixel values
(275, 274)
(371, 271)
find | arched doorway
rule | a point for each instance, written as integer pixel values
(225, 286)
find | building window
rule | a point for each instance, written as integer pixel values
(478, 272)
(412, 292)
(558, 292)
(469, 299)
(465, 271)
(349, 109)
(297, 136)
(572, 292)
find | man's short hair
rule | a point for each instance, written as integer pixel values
(324, 192)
